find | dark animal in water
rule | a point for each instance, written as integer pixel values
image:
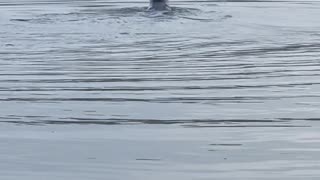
(159, 5)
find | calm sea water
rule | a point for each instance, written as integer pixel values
(108, 90)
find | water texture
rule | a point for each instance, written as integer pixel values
(208, 89)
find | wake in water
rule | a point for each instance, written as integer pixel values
(157, 9)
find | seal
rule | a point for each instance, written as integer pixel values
(159, 5)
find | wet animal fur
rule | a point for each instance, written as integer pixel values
(159, 5)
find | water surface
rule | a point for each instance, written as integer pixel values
(109, 90)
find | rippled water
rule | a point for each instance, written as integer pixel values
(208, 89)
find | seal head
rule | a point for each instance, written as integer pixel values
(159, 5)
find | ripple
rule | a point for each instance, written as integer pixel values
(198, 60)
(107, 89)
(104, 14)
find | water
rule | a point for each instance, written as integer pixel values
(108, 90)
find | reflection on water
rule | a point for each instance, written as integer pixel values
(226, 68)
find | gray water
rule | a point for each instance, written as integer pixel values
(207, 90)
